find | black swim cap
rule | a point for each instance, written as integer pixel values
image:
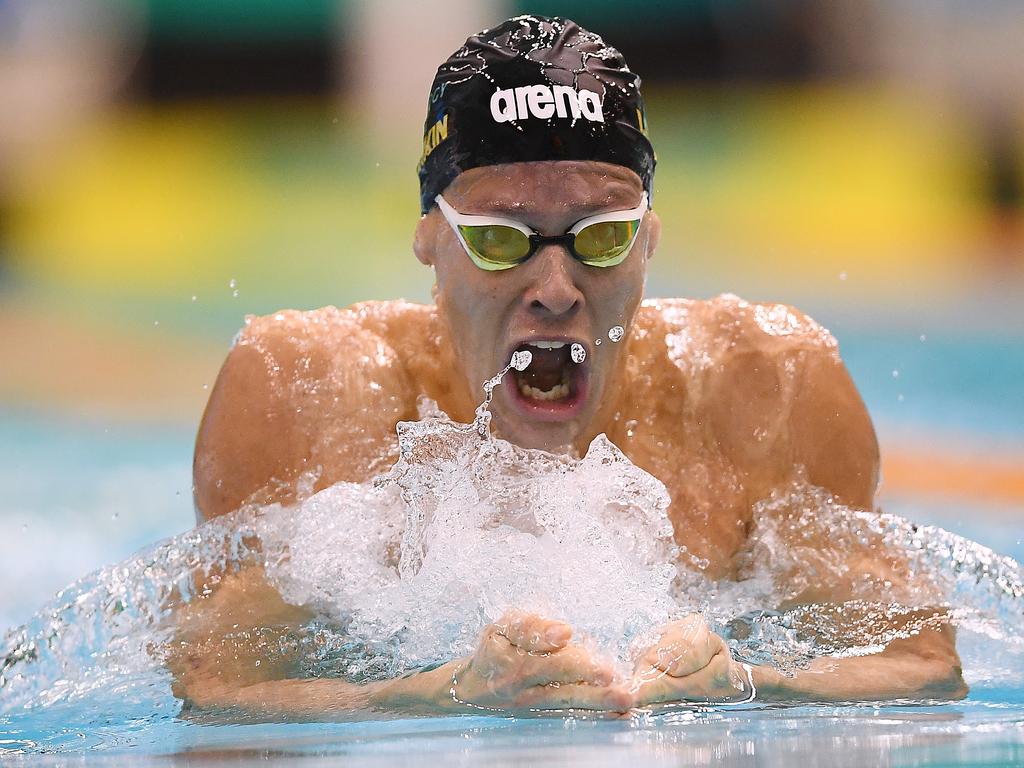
(532, 88)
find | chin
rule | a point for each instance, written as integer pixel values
(539, 437)
(539, 431)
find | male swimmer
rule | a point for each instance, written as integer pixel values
(538, 223)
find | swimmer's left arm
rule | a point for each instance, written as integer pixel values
(834, 442)
(691, 663)
(831, 440)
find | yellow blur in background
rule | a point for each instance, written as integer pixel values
(168, 166)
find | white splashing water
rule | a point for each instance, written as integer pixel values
(408, 569)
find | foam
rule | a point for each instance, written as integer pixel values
(407, 569)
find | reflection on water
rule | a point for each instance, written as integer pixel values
(407, 569)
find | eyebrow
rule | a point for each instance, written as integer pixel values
(520, 212)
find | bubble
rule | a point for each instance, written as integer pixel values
(616, 333)
(842, 276)
(923, 338)
(895, 373)
(521, 359)
(577, 352)
(408, 568)
(597, 342)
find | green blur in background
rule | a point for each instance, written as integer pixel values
(168, 166)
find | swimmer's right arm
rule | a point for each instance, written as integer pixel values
(224, 660)
(299, 392)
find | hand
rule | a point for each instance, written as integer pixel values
(689, 662)
(525, 662)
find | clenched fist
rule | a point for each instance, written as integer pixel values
(690, 663)
(525, 662)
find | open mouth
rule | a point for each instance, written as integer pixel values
(553, 383)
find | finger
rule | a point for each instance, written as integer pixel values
(575, 696)
(713, 683)
(534, 633)
(572, 664)
(684, 647)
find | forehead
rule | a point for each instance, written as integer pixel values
(573, 186)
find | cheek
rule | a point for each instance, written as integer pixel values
(618, 295)
(460, 293)
(468, 301)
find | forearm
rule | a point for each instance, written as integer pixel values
(923, 667)
(319, 699)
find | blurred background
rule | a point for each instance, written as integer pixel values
(168, 166)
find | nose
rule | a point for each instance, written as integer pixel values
(553, 291)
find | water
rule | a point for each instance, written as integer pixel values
(84, 676)
(393, 570)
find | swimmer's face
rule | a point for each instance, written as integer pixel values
(551, 299)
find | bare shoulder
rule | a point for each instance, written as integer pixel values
(300, 391)
(772, 392)
(706, 338)
(728, 325)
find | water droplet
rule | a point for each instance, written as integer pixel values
(232, 283)
(895, 373)
(577, 352)
(521, 359)
(616, 333)
(156, 322)
(206, 386)
(597, 342)
(923, 337)
(842, 276)
(115, 516)
(899, 398)
(194, 297)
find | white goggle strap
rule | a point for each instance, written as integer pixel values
(455, 219)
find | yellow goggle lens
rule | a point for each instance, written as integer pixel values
(496, 246)
(605, 243)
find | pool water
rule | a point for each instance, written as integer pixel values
(122, 488)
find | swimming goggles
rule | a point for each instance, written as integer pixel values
(495, 243)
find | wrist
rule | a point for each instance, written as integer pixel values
(768, 681)
(429, 690)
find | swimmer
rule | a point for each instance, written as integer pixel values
(538, 223)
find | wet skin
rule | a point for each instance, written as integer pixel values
(723, 400)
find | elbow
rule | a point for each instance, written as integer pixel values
(932, 663)
(944, 680)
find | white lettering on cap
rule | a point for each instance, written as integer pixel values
(544, 102)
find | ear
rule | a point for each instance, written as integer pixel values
(653, 233)
(425, 240)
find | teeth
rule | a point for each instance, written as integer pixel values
(547, 344)
(557, 392)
